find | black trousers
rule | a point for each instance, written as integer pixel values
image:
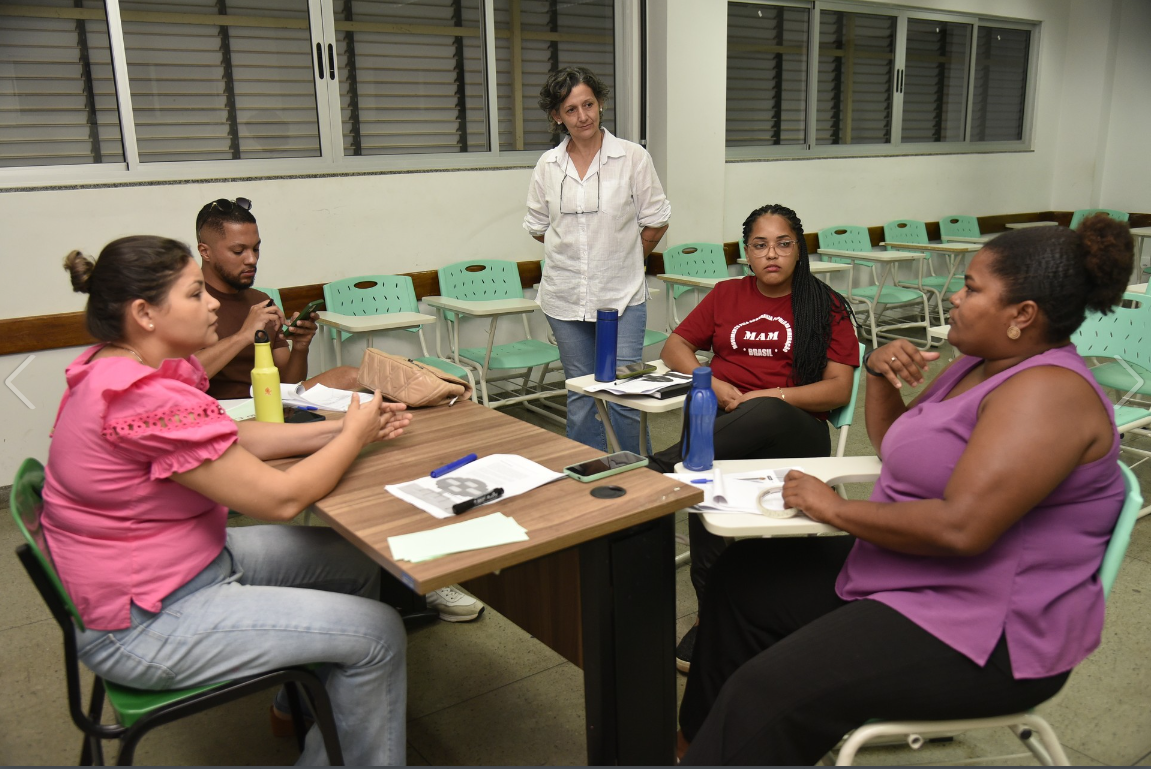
(783, 668)
(761, 428)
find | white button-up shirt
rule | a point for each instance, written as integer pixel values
(593, 250)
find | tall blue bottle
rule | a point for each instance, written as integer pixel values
(606, 327)
(699, 422)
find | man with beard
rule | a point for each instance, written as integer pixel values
(229, 246)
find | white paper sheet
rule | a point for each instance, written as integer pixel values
(757, 491)
(473, 534)
(318, 396)
(511, 472)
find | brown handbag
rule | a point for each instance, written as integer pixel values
(405, 381)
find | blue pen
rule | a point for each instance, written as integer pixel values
(308, 408)
(702, 480)
(453, 465)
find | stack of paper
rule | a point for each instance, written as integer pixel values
(488, 531)
(510, 472)
(756, 491)
(317, 396)
(641, 385)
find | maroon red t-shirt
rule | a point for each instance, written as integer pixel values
(753, 336)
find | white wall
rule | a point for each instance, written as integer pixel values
(1126, 182)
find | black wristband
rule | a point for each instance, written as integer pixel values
(868, 368)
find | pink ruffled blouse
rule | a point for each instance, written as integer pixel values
(119, 529)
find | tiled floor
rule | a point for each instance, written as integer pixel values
(488, 693)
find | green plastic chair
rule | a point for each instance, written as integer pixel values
(959, 226)
(1078, 217)
(1027, 725)
(381, 295)
(852, 238)
(486, 280)
(841, 417)
(274, 295)
(693, 260)
(138, 711)
(914, 231)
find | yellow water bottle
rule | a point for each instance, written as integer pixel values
(266, 382)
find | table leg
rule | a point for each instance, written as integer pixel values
(627, 596)
(612, 440)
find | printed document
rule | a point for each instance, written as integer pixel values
(510, 472)
(751, 491)
(641, 385)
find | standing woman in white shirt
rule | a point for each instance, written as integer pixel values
(596, 204)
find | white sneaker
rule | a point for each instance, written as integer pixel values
(453, 605)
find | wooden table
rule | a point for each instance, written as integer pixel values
(644, 404)
(595, 580)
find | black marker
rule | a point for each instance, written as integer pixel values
(462, 507)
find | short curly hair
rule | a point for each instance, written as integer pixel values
(559, 86)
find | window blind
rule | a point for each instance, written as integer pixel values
(57, 97)
(935, 81)
(221, 79)
(1001, 61)
(411, 76)
(543, 36)
(766, 74)
(856, 61)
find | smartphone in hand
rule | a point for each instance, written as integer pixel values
(305, 314)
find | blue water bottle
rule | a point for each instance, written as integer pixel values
(606, 325)
(699, 422)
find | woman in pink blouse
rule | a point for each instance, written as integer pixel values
(142, 470)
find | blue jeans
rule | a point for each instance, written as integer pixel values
(576, 340)
(277, 596)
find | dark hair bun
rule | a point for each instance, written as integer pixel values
(1109, 252)
(80, 268)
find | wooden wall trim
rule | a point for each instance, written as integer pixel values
(52, 332)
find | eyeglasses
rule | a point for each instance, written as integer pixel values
(782, 248)
(570, 206)
(225, 207)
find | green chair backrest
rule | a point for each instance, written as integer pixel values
(959, 226)
(1123, 333)
(695, 260)
(370, 295)
(1121, 534)
(845, 237)
(481, 280)
(906, 231)
(1083, 213)
(841, 417)
(274, 295)
(27, 504)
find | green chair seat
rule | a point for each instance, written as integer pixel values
(890, 294)
(1117, 377)
(526, 353)
(651, 336)
(446, 366)
(1126, 415)
(936, 282)
(133, 704)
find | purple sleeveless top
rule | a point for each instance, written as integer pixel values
(1037, 583)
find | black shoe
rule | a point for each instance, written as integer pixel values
(684, 649)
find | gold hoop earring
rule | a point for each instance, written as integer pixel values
(1013, 331)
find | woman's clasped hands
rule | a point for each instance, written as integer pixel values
(375, 419)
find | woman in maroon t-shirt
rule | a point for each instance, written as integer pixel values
(785, 349)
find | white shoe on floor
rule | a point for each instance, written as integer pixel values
(453, 605)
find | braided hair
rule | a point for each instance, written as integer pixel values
(814, 304)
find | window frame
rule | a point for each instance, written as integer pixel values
(902, 13)
(332, 160)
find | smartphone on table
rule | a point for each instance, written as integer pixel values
(602, 467)
(306, 313)
(633, 369)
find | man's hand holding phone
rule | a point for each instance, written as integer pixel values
(263, 316)
(302, 327)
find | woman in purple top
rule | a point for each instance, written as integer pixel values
(969, 585)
